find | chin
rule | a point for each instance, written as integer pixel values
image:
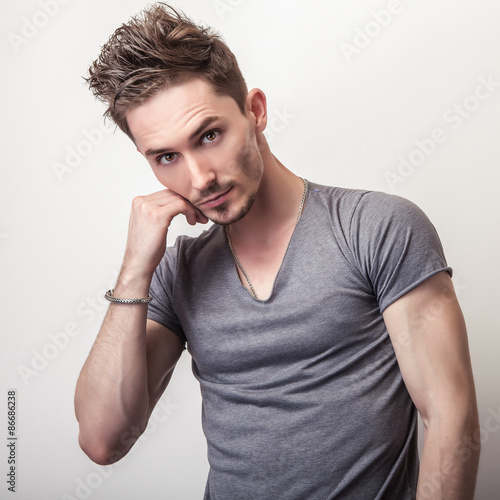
(223, 216)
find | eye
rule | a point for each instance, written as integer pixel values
(166, 159)
(210, 136)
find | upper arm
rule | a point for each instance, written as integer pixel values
(429, 336)
(163, 350)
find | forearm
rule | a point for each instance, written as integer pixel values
(111, 399)
(118, 386)
(449, 461)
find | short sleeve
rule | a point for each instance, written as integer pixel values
(395, 245)
(160, 309)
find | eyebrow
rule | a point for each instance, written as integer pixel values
(203, 125)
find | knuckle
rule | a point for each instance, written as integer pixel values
(137, 201)
(144, 208)
(179, 204)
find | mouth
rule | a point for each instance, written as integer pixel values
(216, 200)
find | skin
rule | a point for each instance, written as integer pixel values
(222, 169)
(429, 336)
(222, 158)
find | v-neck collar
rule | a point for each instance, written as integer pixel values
(283, 262)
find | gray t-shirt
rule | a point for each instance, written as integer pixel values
(302, 395)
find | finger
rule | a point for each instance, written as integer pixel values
(199, 215)
(173, 204)
(166, 196)
(201, 218)
(161, 196)
(191, 216)
(179, 205)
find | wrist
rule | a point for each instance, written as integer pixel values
(133, 283)
(109, 295)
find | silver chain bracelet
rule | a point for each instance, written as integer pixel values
(109, 296)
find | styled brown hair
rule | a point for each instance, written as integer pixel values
(155, 49)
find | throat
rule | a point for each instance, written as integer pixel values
(258, 266)
(259, 259)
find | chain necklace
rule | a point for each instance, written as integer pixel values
(235, 257)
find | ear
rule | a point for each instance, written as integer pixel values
(256, 108)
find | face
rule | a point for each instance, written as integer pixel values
(201, 146)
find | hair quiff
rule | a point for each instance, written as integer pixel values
(158, 48)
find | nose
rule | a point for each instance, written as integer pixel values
(201, 172)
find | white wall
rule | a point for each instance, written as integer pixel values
(336, 120)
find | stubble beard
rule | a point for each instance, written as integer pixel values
(249, 163)
(222, 217)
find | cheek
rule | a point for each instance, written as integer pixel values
(160, 174)
(238, 154)
(250, 161)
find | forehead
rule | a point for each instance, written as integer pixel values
(173, 113)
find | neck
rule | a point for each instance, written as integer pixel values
(276, 203)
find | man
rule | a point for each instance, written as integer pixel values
(319, 319)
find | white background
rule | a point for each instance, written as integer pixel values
(336, 120)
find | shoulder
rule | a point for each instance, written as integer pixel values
(336, 195)
(359, 205)
(184, 243)
(377, 209)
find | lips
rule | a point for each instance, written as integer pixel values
(216, 200)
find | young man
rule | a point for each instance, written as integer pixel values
(319, 319)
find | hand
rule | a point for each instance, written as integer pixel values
(149, 222)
